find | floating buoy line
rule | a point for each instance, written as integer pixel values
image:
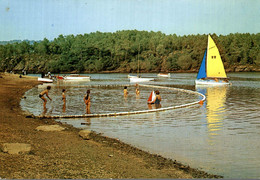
(134, 112)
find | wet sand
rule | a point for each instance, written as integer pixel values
(64, 154)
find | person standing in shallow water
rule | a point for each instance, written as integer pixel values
(125, 91)
(45, 92)
(87, 101)
(157, 100)
(64, 99)
(137, 92)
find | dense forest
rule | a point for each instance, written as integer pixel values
(120, 51)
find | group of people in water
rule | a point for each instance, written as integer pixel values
(46, 92)
(86, 98)
(156, 101)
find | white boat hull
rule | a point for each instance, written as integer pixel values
(164, 75)
(46, 80)
(210, 82)
(77, 78)
(132, 76)
(137, 79)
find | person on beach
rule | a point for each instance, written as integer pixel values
(125, 91)
(87, 101)
(45, 92)
(157, 100)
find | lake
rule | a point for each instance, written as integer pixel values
(220, 137)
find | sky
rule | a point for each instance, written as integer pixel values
(39, 19)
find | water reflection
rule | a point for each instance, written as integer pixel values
(215, 107)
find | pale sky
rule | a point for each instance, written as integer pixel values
(39, 19)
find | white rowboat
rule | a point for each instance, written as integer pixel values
(164, 75)
(45, 80)
(140, 79)
(77, 77)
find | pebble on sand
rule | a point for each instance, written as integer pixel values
(85, 134)
(16, 148)
(50, 128)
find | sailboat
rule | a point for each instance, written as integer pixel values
(151, 97)
(212, 70)
(138, 78)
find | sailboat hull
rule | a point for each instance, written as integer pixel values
(139, 79)
(164, 75)
(210, 82)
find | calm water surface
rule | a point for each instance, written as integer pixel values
(221, 136)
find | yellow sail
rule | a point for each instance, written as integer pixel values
(215, 67)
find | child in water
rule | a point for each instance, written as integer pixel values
(63, 96)
(45, 92)
(125, 91)
(87, 101)
(137, 92)
(64, 100)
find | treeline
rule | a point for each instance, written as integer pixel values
(120, 52)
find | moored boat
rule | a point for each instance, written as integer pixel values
(132, 76)
(140, 79)
(164, 75)
(77, 77)
(45, 80)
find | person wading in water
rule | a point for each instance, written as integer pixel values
(157, 100)
(41, 95)
(87, 101)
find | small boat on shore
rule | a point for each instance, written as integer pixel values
(164, 75)
(45, 80)
(59, 77)
(77, 77)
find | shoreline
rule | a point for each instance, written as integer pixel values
(59, 155)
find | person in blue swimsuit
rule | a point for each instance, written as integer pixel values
(157, 100)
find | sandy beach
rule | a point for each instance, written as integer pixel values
(64, 154)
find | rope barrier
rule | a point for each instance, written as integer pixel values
(135, 112)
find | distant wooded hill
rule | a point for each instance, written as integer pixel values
(120, 51)
(16, 41)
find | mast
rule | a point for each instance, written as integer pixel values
(206, 69)
(138, 60)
